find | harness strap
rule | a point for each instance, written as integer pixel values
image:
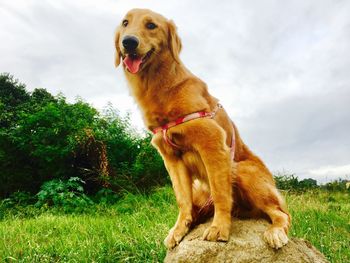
(189, 117)
(167, 140)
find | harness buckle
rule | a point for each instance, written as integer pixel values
(213, 113)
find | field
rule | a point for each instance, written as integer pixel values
(133, 229)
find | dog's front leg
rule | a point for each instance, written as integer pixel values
(220, 180)
(182, 185)
(215, 154)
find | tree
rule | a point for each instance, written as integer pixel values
(12, 97)
(43, 137)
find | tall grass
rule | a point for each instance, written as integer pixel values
(323, 218)
(133, 229)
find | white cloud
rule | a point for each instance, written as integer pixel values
(330, 172)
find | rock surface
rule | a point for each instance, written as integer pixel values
(246, 245)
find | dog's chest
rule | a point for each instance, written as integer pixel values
(161, 115)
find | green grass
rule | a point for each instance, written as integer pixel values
(323, 218)
(133, 229)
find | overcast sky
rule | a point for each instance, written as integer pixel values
(280, 68)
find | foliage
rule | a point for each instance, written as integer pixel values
(106, 196)
(43, 137)
(146, 170)
(337, 185)
(291, 182)
(12, 98)
(43, 143)
(18, 199)
(68, 194)
(136, 163)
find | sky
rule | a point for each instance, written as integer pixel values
(280, 68)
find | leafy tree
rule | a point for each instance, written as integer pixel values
(12, 98)
(308, 183)
(38, 136)
(43, 137)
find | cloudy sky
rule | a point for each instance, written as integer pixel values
(281, 69)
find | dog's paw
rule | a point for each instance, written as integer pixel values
(276, 237)
(169, 241)
(217, 233)
(176, 234)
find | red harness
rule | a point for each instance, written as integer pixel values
(190, 117)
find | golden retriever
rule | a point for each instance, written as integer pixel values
(205, 178)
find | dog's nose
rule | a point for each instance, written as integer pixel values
(130, 43)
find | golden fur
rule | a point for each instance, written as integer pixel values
(166, 90)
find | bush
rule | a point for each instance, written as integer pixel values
(135, 164)
(146, 170)
(291, 182)
(337, 185)
(18, 198)
(106, 196)
(68, 194)
(44, 138)
(38, 136)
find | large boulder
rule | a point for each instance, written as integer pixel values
(246, 245)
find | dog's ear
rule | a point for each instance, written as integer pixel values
(174, 41)
(117, 49)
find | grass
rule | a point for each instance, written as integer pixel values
(133, 229)
(323, 218)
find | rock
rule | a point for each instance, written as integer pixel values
(246, 245)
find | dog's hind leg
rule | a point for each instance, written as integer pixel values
(257, 184)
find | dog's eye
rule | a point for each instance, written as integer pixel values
(151, 25)
(125, 23)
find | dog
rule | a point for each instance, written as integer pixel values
(211, 169)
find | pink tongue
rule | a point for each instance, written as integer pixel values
(133, 64)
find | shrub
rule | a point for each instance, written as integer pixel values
(43, 138)
(286, 181)
(135, 163)
(38, 136)
(291, 182)
(68, 194)
(18, 198)
(337, 185)
(106, 196)
(146, 170)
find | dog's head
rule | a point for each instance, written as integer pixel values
(142, 36)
